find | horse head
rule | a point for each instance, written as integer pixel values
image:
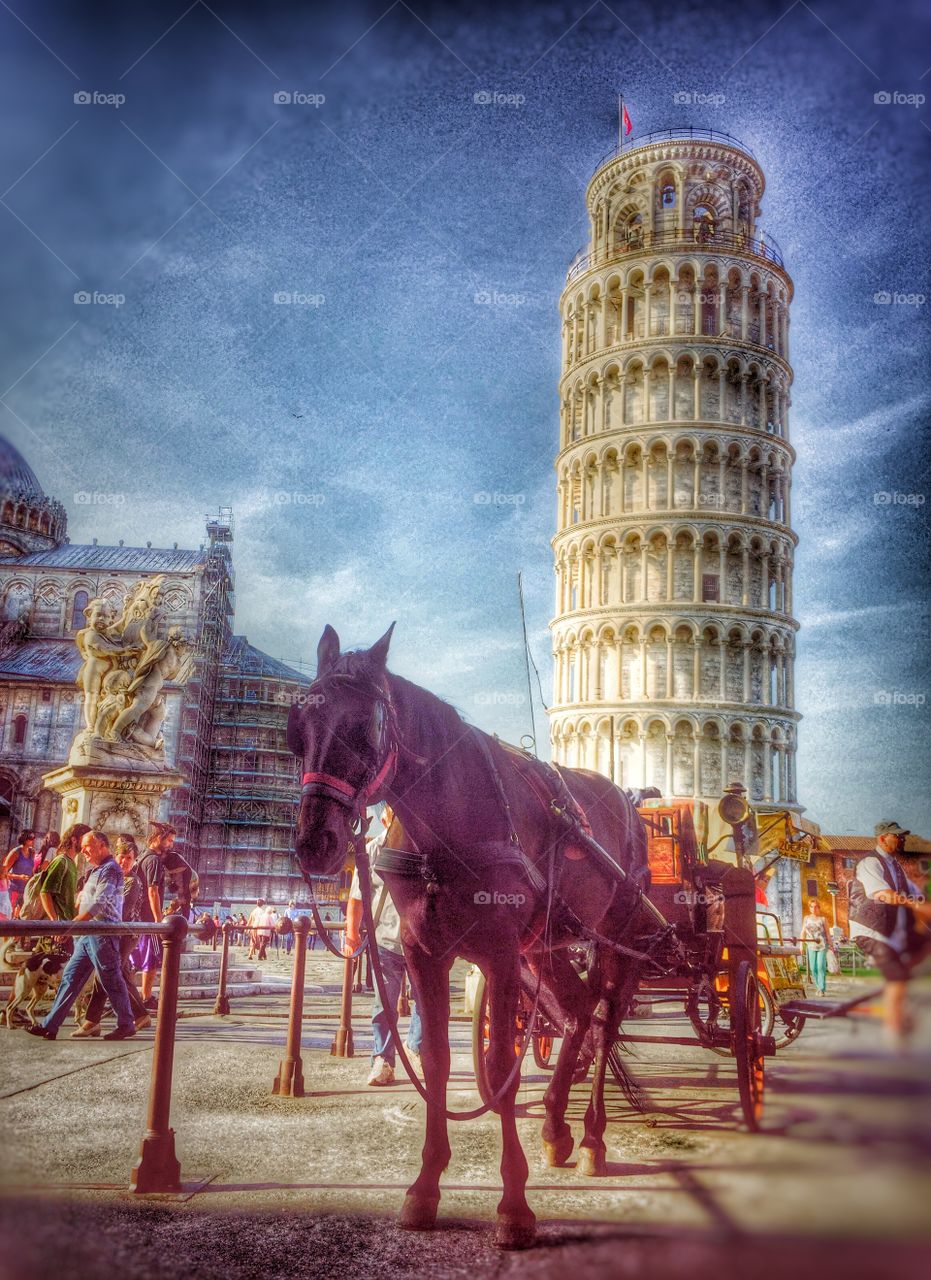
(342, 729)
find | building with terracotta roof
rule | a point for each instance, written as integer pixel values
(827, 876)
(224, 729)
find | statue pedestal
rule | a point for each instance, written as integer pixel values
(119, 797)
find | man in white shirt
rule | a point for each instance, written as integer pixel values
(889, 921)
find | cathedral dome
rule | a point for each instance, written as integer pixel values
(17, 478)
(29, 520)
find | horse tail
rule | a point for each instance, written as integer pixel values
(636, 1096)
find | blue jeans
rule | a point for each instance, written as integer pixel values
(92, 955)
(383, 1043)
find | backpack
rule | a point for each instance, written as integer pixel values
(30, 908)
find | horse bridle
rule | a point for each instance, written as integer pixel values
(382, 735)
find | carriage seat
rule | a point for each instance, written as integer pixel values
(778, 949)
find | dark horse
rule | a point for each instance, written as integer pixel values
(500, 879)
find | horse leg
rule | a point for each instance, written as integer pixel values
(430, 980)
(616, 985)
(574, 1000)
(604, 1025)
(516, 1224)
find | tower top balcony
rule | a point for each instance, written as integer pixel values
(672, 191)
(624, 149)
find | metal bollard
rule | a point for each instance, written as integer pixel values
(157, 1168)
(222, 1003)
(342, 1046)
(289, 1083)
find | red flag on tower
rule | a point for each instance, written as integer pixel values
(624, 125)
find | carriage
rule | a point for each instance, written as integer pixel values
(733, 972)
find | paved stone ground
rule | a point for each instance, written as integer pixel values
(838, 1184)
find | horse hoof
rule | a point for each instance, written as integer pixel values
(558, 1152)
(592, 1163)
(418, 1213)
(515, 1232)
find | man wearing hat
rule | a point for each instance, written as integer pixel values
(889, 921)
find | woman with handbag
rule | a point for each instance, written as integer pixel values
(818, 943)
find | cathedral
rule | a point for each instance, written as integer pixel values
(224, 729)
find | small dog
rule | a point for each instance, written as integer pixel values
(35, 974)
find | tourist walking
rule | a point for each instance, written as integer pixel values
(889, 921)
(18, 867)
(391, 955)
(151, 871)
(46, 852)
(59, 884)
(818, 943)
(286, 927)
(102, 900)
(126, 854)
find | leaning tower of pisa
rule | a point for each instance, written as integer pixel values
(674, 636)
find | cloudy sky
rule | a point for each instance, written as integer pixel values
(352, 427)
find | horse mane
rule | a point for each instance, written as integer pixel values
(426, 721)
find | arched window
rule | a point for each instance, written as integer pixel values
(635, 232)
(704, 223)
(78, 605)
(19, 731)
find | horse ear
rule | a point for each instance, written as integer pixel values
(295, 738)
(379, 650)
(327, 650)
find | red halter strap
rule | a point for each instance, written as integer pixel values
(329, 780)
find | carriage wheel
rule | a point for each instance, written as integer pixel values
(542, 1045)
(745, 1038)
(542, 1042)
(789, 1026)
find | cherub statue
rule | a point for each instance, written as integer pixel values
(99, 653)
(167, 659)
(112, 701)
